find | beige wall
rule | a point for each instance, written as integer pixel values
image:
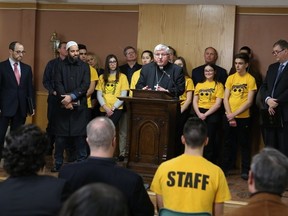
(189, 29)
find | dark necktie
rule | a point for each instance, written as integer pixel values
(16, 72)
(280, 70)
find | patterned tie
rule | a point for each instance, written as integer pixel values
(16, 72)
(280, 70)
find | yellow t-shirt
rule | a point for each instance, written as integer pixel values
(239, 87)
(190, 183)
(93, 77)
(112, 89)
(189, 86)
(134, 80)
(208, 92)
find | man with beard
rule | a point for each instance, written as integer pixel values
(72, 80)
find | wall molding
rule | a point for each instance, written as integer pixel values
(262, 10)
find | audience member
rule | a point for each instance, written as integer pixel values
(146, 57)
(207, 102)
(190, 183)
(97, 199)
(25, 192)
(268, 179)
(210, 56)
(93, 79)
(161, 75)
(52, 100)
(101, 167)
(186, 104)
(275, 96)
(16, 85)
(128, 69)
(239, 93)
(72, 80)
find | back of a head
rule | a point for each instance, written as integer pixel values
(100, 132)
(195, 132)
(25, 151)
(97, 199)
(270, 171)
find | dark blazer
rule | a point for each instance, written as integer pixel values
(12, 94)
(281, 88)
(32, 196)
(105, 170)
(198, 74)
(173, 80)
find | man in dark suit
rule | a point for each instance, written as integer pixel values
(101, 167)
(16, 86)
(161, 75)
(210, 56)
(274, 93)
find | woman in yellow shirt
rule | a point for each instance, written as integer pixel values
(208, 97)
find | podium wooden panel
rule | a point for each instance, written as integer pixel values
(151, 130)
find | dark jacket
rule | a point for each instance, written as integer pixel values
(32, 196)
(12, 94)
(105, 170)
(71, 78)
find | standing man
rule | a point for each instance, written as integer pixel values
(268, 179)
(48, 83)
(161, 75)
(100, 167)
(189, 182)
(275, 96)
(210, 56)
(16, 86)
(128, 69)
(72, 80)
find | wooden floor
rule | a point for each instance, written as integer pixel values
(237, 186)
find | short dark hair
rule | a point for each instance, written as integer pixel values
(82, 46)
(195, 132)
(128, 47)
(270, 171)
(12, 45)
(246, 48)
(242, 56)
(96, 199)
(61, 43)
(25, 151)
(282, 43)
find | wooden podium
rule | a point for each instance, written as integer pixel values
(151, 130)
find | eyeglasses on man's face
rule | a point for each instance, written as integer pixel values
(159, 55)
(276, 52)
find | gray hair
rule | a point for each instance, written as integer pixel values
(100, 132)
(270, 171)
(160, 47)
(282, 43)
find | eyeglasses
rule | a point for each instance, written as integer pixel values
(159, 55)
(276, 52)
(20, 52)
(82, 53)
(130, 53)
(111, 62)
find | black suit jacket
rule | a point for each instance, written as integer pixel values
(281, 88)
(173, 80)
(32, 196)
(105, 170)
(13, 95)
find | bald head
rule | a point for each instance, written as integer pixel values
(100, 133)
